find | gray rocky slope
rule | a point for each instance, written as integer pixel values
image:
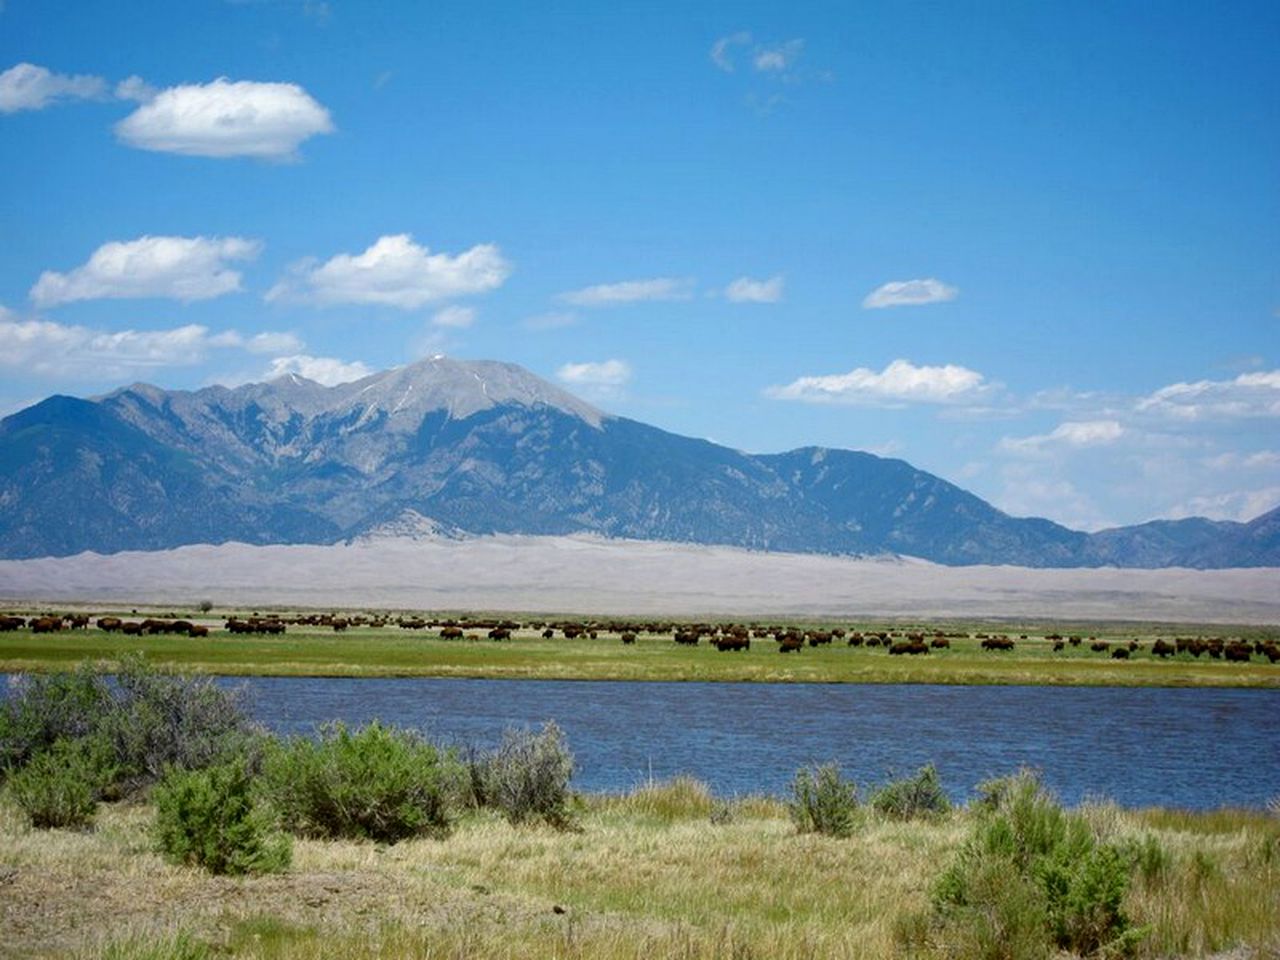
(484, 447)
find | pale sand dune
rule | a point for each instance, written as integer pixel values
(593, 575)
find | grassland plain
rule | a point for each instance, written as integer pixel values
(647, 874)
(390, 651)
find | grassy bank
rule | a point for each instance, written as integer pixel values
(645, 875)
(389, 651)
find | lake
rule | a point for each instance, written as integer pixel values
(1193, 748)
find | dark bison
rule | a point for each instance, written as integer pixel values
(198, 630)
(500, 633)
(451, 633)
(628, 637)
(46, 624)
(790, 644)
(12, 623)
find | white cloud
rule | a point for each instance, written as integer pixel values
(1246, 396)
(29, 87)
(178, 268)
(226, 119)
(137, 89)
(394, 272)
(909, 293)
(1240, 505)
(1027, 494)
(455, 316)
(326, 370)
(608, 373)
(45, 348)
(899, 383)
(274, 343)
(777, 58)
(1072, 433)
(1259, 460)
(722, 49)
(746, 290)
(629, 291)
(550, 321)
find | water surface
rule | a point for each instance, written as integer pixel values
(1194, 748)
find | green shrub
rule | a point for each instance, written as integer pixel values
(822, 801)
(1028, 856)
(208, 818)
(377, 783)
(527, 777)
(918, 796)
(61, 786)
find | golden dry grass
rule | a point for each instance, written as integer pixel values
(646, 875)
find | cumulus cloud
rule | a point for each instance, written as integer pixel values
(326, 370)
(1073, 433)
(45, 348)
(607, 373)
(226, 119)
(394, 272)
(629, 291)
(909, 293)
(1258, 460)
(135, 88)
(901, 382)
(30, 87)
(455, 316)
(178, 268)
(777, 58)
(1246, 396)
(746, 290)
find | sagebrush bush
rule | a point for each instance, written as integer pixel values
(527, 777)
(1025, 845)
(209, 818)
(61, 786)
(377, 783)
(823, 801)
(42, 709)
(917, 796)
(163, 720)
(152, 721)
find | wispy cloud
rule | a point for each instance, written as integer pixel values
(31, 87)
(778, 57)
(606, 373)
(46, 348)
(1072, 433)
(629, 291)
(1247, 396)
(722, 50)
(225, 118)
(177, 268)
(898, 384)
(747, 290)
(909, 293)
(555, 320)
(394, 272)
(454, 316)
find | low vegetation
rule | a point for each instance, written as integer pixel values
(373, 842)
(371, 643)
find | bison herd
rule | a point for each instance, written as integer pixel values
(724, 637)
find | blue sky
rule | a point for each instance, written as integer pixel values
(1034, 248)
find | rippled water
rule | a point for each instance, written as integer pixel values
(1195, 748)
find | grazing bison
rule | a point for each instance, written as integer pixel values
(1162, 649)
(908, 646)
(12, 623)
(198, 630)
(1058, 645)
(1098, 646)
(450, 633)
(110, 624)
(46, 624)
(628, 637)
(733, 642)
(1120, 653)
(940, 643)
(997, 643)
(790, 644)
(131, 628)
(686, 638)
(1238, 652)
(500, 633)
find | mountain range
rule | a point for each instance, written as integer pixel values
(453, 448)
